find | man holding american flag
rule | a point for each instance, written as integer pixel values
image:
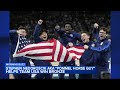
(41, 35)
(89, 57)
(68, 37)
(16, 44)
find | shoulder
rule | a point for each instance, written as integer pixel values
(107, 41)
(75, 33)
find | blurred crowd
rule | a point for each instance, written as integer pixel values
(81, 20)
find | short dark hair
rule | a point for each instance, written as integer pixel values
(69, 24)
(43, 30)
(22, 27)
(89, 34)
(104, 29)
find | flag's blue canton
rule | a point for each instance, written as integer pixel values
(22, 43)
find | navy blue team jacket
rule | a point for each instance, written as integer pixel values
(89, 57)
(65, 38)
(37, 39)
(13, 43)
(103, 48)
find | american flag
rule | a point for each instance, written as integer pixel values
(51, 50)
(22, 42)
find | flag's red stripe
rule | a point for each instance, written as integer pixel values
(66, 57)
(54, 49)
(35, 48)
(74, 57)
(77, 53)
(50, 60)
(60, 52)
(39, 54)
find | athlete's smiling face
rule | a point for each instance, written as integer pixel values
(85, 37)
(44, 36)
(68, 28)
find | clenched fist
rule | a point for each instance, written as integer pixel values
(40, 21)
(57, 27)
(86, 46)
(22, 32)
(96, 25)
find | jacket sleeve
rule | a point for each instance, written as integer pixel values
(59, 32)
(36, 33)
(12, 34)
(90, 60)
(78, 37)
(95, 34)
(102, 48)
